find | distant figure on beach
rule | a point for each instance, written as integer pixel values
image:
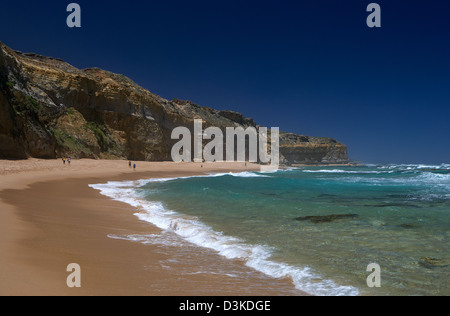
(129, 164)
(69, 160)
(134, 167)
(64, 160)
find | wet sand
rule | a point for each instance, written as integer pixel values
(50, 217)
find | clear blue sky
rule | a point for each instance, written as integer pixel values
(309, 67)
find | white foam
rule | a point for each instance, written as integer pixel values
(418, 167)
(196, 232)
(287, 169)
(163, 239)
(436, 178)
(345, 171)
(245, 174)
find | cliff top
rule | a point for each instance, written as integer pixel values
(50, 107)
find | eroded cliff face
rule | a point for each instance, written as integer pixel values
(298, 149)
(50, 109)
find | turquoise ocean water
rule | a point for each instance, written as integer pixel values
(397, 216)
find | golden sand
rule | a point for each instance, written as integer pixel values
(50, 217)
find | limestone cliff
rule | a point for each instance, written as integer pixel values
(50, 109)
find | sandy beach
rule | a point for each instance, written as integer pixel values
(50, 218)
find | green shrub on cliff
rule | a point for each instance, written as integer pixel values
(101, 132)
(70, 111)
(33, 105)
(68, 142)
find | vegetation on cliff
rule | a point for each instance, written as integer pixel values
(50, 109)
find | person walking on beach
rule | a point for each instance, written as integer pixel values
(68, 160)
(129, 164)
(64, 161)
(134, 167)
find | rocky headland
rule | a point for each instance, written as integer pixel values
(50, 109)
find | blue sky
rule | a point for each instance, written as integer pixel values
(309, 67)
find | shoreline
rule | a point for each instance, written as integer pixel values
(50, 218)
